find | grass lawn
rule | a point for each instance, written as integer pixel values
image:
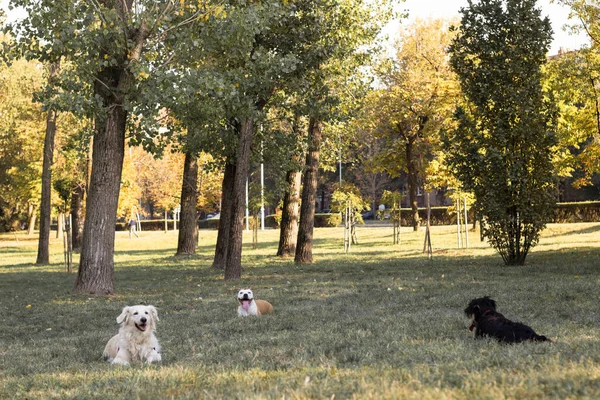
(380, 322)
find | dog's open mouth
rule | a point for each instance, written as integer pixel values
(473, 324)
(141, 327)
(245, 303)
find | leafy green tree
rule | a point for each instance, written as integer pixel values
(501, 150)
(43, 255)
(21, 136)
(574, 77)
(329, 95)
(345, 193)
(110, 45)
(416, 102)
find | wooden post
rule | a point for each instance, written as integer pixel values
(166, 226)
(347, 227)
(255, 232)
(70, 243)
(466, 225)
(427, 245)
(139, 223)
(458, 230)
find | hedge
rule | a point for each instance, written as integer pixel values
(148, 225)
(588, 211)
(563, 213)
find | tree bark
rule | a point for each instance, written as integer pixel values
(220, 259)
(412, 172)
(112, 84)
(77, 215)
(188, 226)
(43, 255)
(309, 195)
(32, 218)
(60, 223)
(96, 265)
(233, 268)
(288, 234)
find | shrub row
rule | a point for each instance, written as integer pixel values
(563, 213)
(148, 225)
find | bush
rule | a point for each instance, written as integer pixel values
(328, 220)
(212, 223)
(273, 221)
(588, 211)
(148, 225)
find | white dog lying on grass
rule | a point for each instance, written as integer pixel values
(249, 306)
(135, 340)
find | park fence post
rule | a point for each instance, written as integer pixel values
(347, 227)
(255, 232)
(427, 245)
(466, 225)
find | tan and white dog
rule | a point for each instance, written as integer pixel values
(135, 340)
(250, 306)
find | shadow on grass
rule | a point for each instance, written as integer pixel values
(583, 231)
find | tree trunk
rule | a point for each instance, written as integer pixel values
(77, 215)
(188, 226)
(290, 215)
(220, 259)
(43, 255)
(60, 223)
(96, 266)
(412, 172)
(90, 157)
(233, 268)
(309, 195)
(32, 218)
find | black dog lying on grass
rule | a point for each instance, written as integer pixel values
(488, 322)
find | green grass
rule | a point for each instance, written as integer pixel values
(380, 322)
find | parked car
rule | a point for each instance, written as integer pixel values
(368, 214)
(213, 216)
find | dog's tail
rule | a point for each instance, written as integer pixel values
(542, 338)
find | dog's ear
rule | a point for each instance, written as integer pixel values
(124, 316)
(154, 313)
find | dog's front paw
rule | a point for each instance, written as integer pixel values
(154, 357)
(120, 361)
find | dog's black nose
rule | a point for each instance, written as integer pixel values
(143, 320)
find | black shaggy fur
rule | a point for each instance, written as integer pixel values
(488, 322)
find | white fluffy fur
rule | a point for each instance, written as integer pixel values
(135, 340)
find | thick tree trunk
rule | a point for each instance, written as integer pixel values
(77, 215)
(412, 171)
(233, 268)
(309, 195)
(188, 226)
(32, 219)
(96, 265)
(43, 255)
(290, 215)
(220, 260)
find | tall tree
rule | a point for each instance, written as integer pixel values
(309, 193)
(220, 259)
(501, 149)
(105, 42)
(21, 136)
(574, 77)
(188, 227)
(43, 255)
(406, 115)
